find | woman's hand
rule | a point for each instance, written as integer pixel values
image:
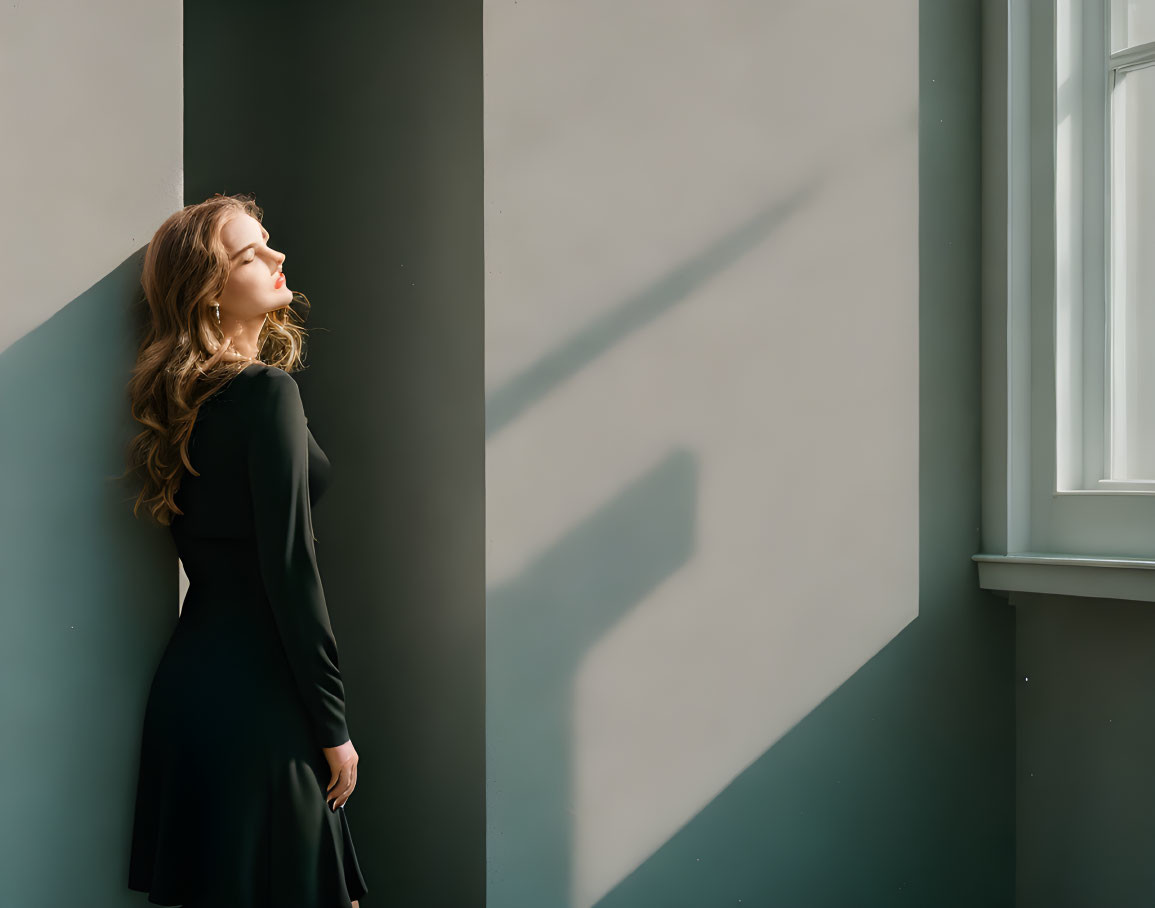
(343, 762)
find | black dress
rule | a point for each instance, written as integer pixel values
(231, 807)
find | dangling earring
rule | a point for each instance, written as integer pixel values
(217, 307)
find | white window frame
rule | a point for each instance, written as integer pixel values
(1051, 522)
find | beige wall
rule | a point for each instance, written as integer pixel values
(702, 403)
(90, 145)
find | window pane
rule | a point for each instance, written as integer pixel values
(1132, 312)
(1132, 22)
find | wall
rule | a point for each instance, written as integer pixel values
(734, 650)
(736, 653)
(1086, 744)
(90, 164)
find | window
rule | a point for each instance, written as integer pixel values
(1069, 293)
(1105, 223)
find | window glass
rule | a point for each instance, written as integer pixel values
(1132, 317)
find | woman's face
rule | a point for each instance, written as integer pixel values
(256, 284)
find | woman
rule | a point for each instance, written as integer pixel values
(246, 763)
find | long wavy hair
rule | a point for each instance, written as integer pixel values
(180, 362)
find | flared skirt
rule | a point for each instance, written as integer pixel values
(230, 807)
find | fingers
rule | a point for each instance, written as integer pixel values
(352, 784)
(336, 796)
(343, 796)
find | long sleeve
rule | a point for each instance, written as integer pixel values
(278, 466)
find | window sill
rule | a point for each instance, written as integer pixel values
(1093, 576)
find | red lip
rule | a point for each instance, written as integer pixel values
(280, 279)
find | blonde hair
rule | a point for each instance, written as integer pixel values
(180, 362)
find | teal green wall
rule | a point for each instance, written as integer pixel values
(88, 597)
(358, 126)
(1086, 745)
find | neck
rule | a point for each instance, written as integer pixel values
(242, 340)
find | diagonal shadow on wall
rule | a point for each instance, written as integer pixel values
(541, 377)
(541, 624)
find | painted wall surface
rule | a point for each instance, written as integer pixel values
(729, 431)
(358, 127)
(90, 164)
(736, 651)
(1086, 745)
(90, 119)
